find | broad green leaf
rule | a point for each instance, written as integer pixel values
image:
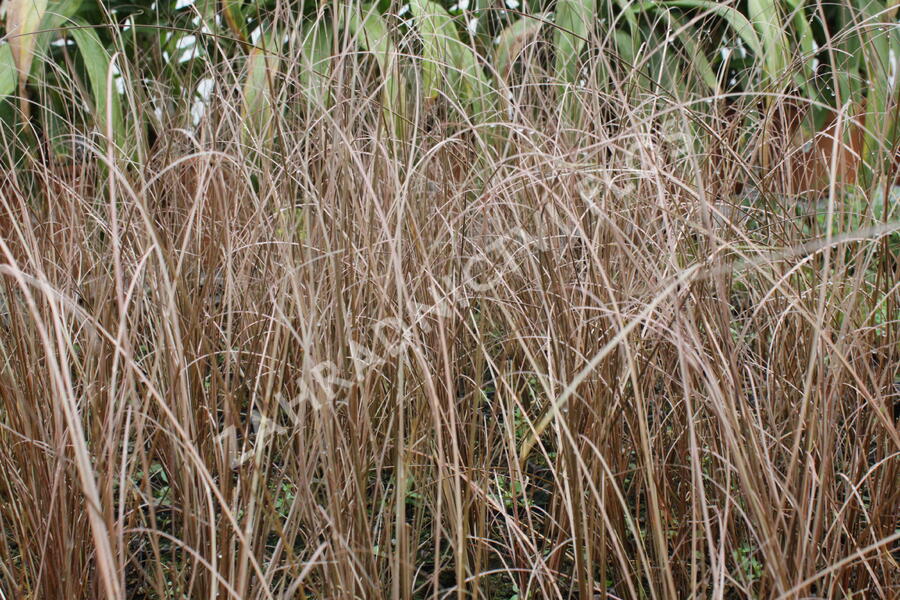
(802, 28)
(438, 35)
(629, 13)
(802, 31)
(880, 64)
(447, 58)
(371, 32)
(660, 61)
(258, 107)
(574, 19)
(22, 20)
(696, 57)
(107, 107)
(513, 39)
(625, 46)
(315, 61)
(738, 22)
(7, 71)
(58, 13)
(208, 13)
(764, 16)
(234, 18)
(57, 130)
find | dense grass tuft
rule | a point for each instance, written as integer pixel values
(608, 341)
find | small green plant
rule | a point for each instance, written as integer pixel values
(748, 568)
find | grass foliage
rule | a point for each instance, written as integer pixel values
(365, 301)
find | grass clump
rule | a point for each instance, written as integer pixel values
(355, 307)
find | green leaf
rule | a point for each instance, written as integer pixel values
(315, 61)
(22, 20)
(764, 16)
(58, 13)
(697, 60)
(258, 107)
(573, 21)
(738, 22)
(803, 33)
(446, 59)
(512, 39)
(234, 18)
(880, 64)
(438, 32)
(625, 46)
(7, 71)
(107, 107)
(371, 33)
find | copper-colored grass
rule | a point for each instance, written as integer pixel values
(309, 366)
